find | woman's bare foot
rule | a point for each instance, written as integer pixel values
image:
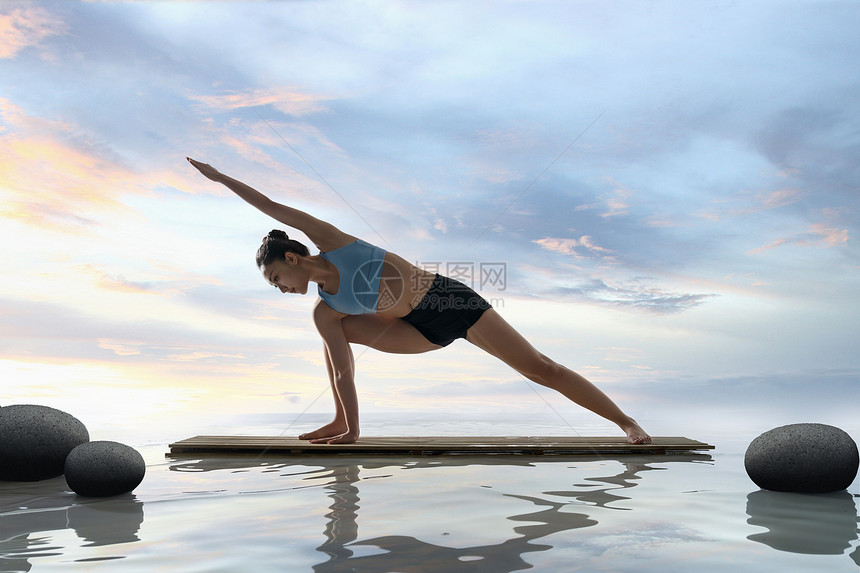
(635, 433)
(330, 430)
(345, 438)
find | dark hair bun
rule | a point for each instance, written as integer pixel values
(275, 246)
(276, 235)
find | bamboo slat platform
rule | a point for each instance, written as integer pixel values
(439, 445)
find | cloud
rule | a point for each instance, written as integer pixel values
(814, 148)
(637, 294)
(570, 246)
(288, 100)
(118, 283)
(54, 174)
(817, 235)
(753, 204)
(24, 27)
(775, 398)
(51, 183)
(59, 334)
(618, 203)
(780, 198)
(120, 348)
(435, 134)
(51, 175)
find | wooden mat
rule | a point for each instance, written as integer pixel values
(436, 445)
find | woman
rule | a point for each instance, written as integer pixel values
(372, 297)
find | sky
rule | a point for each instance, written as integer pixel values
(661, 195)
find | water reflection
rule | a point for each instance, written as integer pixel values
(32, 508)
(543, 517)
(605, 496)
(342, 519)
(815, 524)
(403, 553)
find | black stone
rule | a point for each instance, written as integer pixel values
(101, 469)
(35, 440)
(803, 458)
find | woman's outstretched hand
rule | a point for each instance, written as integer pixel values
(207, 170)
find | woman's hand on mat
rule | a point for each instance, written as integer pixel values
(345, 438)
(207, 170)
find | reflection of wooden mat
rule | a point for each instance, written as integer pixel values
(411, 446)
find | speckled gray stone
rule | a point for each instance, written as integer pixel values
(35, 440)
(101, 469)
(802, 458)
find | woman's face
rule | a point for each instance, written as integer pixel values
(287, 275)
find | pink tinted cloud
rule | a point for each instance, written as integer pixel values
(288, 100)
(25, 26)
(569, 246)
(817, 235)
(48, 175)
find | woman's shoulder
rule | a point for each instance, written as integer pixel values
(336, 242)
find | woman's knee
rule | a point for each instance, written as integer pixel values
(544, 370)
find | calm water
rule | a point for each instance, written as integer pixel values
(696, 512)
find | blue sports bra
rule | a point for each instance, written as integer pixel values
(359, 265)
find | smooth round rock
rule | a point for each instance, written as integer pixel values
(35, 440)
(101, 469)
(803, 458)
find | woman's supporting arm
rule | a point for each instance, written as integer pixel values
(330, 327)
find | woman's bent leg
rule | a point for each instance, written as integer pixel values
(386, 334)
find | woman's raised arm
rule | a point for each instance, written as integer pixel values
(324, 235)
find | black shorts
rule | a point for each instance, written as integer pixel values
(447, 311)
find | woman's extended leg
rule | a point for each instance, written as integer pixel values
(493, 334)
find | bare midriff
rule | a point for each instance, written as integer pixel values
(402, 286)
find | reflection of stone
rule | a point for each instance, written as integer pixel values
(49, 506)
(817, 524)
(35, 440)
(108, 521)
(26, 513)
(855, 556)
(807, 458)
